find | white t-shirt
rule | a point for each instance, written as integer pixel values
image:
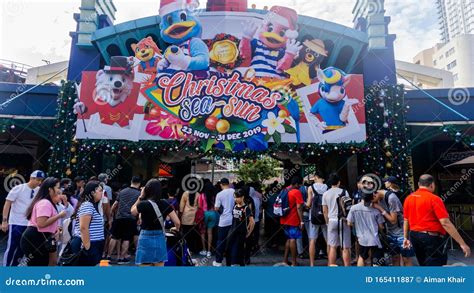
(330, 200)
(225, 198)
(21, 198)
(257, 201)
(100, 207)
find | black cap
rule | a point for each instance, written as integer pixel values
(391, 179)
(224, 181)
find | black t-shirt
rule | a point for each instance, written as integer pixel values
(240, 216)
(148, 216)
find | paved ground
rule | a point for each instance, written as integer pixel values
(272, 257)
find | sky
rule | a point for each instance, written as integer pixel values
(33, 30)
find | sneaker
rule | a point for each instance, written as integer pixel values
(203, 253)
(216, 264)
(123, 261)
(209, 254)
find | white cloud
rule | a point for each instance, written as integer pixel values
(34, 30)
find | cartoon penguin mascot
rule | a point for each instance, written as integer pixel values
(182, 30)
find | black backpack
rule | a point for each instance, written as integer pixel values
(344, 204)
(316, 211)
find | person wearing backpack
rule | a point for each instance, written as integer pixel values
(336, 205)
(391, 208)
(292, 218)
(316, 223)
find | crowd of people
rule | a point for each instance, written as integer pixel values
(82, 222)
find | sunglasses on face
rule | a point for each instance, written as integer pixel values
(367, 182)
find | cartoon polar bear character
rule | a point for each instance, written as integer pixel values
(112, 88)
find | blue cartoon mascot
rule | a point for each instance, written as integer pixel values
(182, 30)
(333, 106)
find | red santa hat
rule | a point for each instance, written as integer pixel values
(287, 17)
(168, 6)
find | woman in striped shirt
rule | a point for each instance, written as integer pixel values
(88, 234)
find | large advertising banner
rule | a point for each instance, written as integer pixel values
(237, 83)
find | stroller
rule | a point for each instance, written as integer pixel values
(178, 253)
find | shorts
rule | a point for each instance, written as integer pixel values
(338, 235)
(364, 252)
(151, 247)
(124, 229)
(292, 232)
(314, 230)
(396, 247)
(211, 219)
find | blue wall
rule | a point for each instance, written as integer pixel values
(426, 109)
(40, 102)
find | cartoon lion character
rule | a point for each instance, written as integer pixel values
(149, 55)
(180, 28)
(272, 50)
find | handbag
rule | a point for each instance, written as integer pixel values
(50, 244)
(68, 258)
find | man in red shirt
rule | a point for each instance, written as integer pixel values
(427, 220)
(293, 222)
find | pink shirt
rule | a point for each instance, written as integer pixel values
(44, 208)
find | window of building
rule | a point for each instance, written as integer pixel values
(455, 77)
(450, 52)
(434, 62)
(452, 65)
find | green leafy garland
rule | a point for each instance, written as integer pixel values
(387, 152)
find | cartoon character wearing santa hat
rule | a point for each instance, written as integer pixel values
(180, 28)
(274, 48)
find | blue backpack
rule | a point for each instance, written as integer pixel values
(281, 207)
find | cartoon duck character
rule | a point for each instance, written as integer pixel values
(180, 28)
(308, 62)
(149, 55)
(333, 106)
(274, 48)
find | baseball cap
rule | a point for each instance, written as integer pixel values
(391, 179)
(224, 181)
(38, 174)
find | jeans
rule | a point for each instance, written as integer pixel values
(222, 234)
(430, 250)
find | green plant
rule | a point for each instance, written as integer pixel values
(258, 170)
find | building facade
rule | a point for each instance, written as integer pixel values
(425, 77)
(456, 17)
(455, 56)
